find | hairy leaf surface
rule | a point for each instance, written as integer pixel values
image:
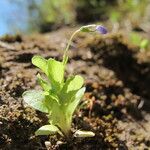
(36, 99)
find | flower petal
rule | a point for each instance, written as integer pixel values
(101, 29)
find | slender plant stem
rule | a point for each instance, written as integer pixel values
(68, 45)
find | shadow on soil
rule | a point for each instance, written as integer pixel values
(135, 76)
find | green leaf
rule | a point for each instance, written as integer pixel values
(47, 130)
(44, 84)
(80, 133)
(73, 84)
(75, 101)
(53, 96)
(144, 43)
(70, 88)
(135, 38)
(36, 99)
(55, 73)
(41, 63)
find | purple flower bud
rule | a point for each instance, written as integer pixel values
(101, 29)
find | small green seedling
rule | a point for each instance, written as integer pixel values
(59, 97)
(139, 41)
(144, 44)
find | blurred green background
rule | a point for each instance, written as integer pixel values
(28, 16)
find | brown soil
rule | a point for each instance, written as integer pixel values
(116, 104)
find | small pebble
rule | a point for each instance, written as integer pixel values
(47, 144)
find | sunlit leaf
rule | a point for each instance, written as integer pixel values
(55, 73)
(144, 43)
(36, 99)
(41, 63)
(73, 83)
(75, 101)
(70, 88)
(47, 130)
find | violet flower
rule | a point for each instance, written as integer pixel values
(88, 28)
(93, 28)
(101, 29)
